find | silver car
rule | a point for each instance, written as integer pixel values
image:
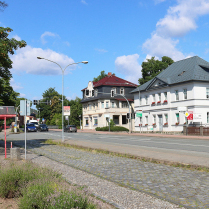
(70, 128)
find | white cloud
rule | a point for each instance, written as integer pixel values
(22, 95)
(129, 66)
(16, 86)
(159, 47)
(25, 60)
(180, 19)
(17, 37)
(83, 2)
(101, 50)
(47, 33)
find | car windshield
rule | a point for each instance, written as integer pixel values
(43, 125)
(30, 125)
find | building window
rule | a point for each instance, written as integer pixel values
(154, 119)
(87, 121)
(165, 95)
(113, 104)
(107, 104)
(124, 120)
(102, 104)
(177, 118)
(113, 92)
(207, 117)
(146, 98)
(207, 93)
(93, 105)
(153, 98)
(177, 95)
(124, 105)
(185, 93)
(166, 118)
(146, 120)
(95, 121)
(87, 92)
(89, 106)
(122, 91)
(159, 97)
(95, 92)
(92, 93)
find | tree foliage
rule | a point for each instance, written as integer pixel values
(3, 5)
(99, 77)
(53, 113)
(152, 68)
(7, 47)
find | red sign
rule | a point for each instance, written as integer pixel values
(190, 117)
(66, 110)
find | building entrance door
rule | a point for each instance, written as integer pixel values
(160, 122)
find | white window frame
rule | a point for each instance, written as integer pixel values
(102, 104)
(107, 104)
(122, 91)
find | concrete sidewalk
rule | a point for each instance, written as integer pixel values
(159, 155)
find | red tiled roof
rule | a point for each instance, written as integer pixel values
(113, 81)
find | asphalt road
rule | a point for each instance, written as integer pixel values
(194, 147)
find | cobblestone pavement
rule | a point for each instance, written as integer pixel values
(177, 185)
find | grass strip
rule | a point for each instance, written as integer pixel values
(144, 159)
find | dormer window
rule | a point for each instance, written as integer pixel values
(87, 92)
(122, 91)
(113, 92)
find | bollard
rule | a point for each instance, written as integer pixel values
(15, 153)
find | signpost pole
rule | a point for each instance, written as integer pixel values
(25, 125)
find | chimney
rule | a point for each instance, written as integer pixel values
(109, 74)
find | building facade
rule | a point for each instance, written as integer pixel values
(181, 88)
(108, 98)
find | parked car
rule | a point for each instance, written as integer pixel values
(70, 128)
(42, 127)
(31, 127)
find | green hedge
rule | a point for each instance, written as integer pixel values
(113, 128)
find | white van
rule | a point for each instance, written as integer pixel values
(35, 122)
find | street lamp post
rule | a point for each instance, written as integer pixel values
(63, 70)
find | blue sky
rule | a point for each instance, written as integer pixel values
(114, 36)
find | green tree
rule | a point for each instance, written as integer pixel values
(7, 47)
(152, 68)
(102, 75)
(75, 111)
(3, 5)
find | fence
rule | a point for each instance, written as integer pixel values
(201, 131)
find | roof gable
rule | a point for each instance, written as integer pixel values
(190, 69)
(113, 80)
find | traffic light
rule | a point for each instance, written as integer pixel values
(128, 116)
(38, 102)
(35, 102)
(133, 115)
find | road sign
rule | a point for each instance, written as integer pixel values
(139, 114)
(190, 116)
(66, 110)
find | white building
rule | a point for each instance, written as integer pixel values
(184, 85)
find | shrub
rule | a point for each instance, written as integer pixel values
(113, 128)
